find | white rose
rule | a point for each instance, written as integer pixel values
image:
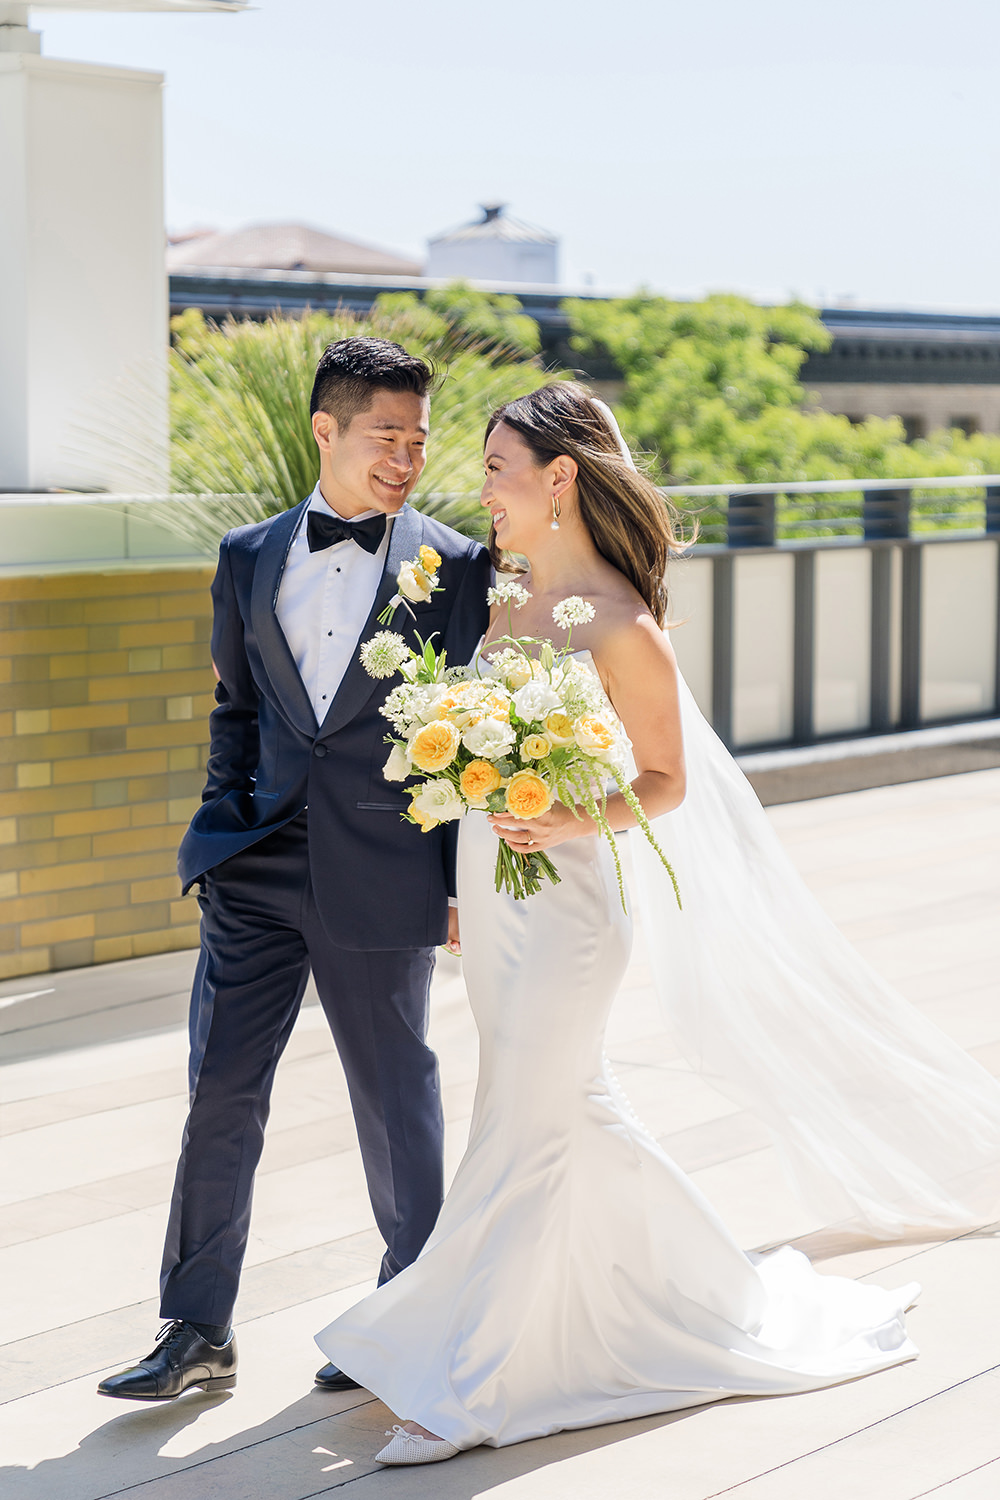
(397, 767)
(535, 700)
(489, 739)
(413, 583)
(439, 799)
(596, 737)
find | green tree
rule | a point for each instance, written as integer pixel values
(492, 320)
(712, 390)
(712, 395)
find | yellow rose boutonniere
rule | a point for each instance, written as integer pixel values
(416, 580)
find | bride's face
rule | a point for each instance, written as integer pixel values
(516, 492)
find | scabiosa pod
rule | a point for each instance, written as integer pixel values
(384, 654)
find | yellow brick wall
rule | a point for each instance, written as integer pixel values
(105, 690)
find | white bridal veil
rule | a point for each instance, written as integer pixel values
(883, 1123)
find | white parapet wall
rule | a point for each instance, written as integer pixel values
(41, 534)
(83, 289)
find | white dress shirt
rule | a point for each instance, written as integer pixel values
(323, 603)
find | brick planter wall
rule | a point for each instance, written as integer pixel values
(105, 690)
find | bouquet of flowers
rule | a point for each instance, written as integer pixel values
(513, 732)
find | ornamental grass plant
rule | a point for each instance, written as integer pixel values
(241, 436)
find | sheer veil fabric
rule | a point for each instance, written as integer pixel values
(884, 1124)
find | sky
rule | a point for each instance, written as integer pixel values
(839, 152)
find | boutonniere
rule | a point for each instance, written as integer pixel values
(416, 581)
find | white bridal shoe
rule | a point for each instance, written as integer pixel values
(411, 1448)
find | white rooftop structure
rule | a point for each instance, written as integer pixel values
(496, 247)
(83, 288)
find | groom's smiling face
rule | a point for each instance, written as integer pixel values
(378, 458)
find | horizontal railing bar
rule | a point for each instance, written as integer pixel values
(834, 486)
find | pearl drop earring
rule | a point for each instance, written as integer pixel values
(556, 512)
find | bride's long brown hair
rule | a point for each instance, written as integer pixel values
(627, 517)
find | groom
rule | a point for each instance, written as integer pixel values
(303, 859)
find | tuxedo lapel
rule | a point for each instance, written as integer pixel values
(274, 649)
(356, 686)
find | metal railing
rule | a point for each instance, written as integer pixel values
(765, 643)
(758, 515)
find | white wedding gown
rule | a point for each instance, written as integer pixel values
(575, 1275)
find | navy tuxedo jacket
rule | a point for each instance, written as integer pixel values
(379, 882)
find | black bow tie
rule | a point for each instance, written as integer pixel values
(327, 530)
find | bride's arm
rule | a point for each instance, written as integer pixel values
(639, 671)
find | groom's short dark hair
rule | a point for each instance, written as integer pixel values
(352, 370)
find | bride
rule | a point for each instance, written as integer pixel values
(575, 1275)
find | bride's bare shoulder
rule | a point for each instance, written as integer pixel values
(627, 642)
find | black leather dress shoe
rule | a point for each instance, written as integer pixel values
(332, 1379)
(181, 1359)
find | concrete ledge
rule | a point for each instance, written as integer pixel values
(884, 760)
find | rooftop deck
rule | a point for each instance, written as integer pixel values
(93, 1096)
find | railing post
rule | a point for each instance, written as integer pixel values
(911, 612)
(881, 688)
(886, 514)
(722, 647)
(803, 659)
(993, 507)
(750, 520)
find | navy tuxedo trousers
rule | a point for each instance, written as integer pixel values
(261, 934)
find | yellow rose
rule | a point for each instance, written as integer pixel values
(494, 706)
(434, 746)
(430, 560)
(477, 781)
(424, 819)
(450, 707)
(594, 736)
(559, 728)
(459, 704)
(535, 747)
(528, 796)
